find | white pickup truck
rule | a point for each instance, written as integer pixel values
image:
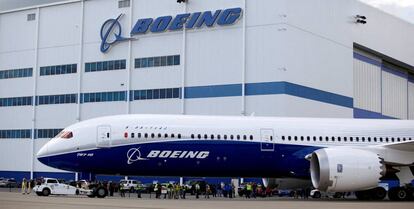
(51, 186)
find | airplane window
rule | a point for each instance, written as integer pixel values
(320, 138)
(132, 135)
(146, 135)
(238, 137)
(363, 139)
(271, 138)
(212, 136)
(192, 136)
(381, 139)
(139, 135)
(165, 135)
(67, 135)
(301, 138)
(308, 138)
(199, 136)
(314, 138)
(231, 137)
(375, 139)
(172, 135)
(398, 139)
(296, 138)
(159, 136)
(404, 139)
(179, 136)
(283, 137)
(205, 136)
(244, 137)
(218, 136)
(387, 140)
(289, 138)
(152, 135)
(251, 137)
(369, 139)
(392, 139)
(351, 139)
(225, 136)
(326, 138)
(357, 139)
(339, 138)
(333, 138)
(345, 139)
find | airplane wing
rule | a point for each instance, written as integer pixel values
(399, 153)
(407, 146)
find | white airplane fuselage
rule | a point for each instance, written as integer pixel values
(176, 145)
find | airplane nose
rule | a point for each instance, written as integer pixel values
(41, 155)
(43, 151)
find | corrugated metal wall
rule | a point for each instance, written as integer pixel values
(367, 86)
(411, 99)
(394, 95)
(381, 90)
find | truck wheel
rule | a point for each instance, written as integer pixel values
(101, 192)
(39, 193)
(46, 192)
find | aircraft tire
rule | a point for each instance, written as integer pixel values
(317, 195)
(398, 194)
(378, 193)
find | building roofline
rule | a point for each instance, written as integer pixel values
(40, 6)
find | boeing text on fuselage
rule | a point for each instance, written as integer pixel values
(111, 29)
(134, 154)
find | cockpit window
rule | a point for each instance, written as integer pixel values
(65, 135)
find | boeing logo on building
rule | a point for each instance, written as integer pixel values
(111, 32)
(111, 29)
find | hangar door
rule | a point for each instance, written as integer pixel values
(103, 136)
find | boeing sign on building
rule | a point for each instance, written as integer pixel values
(111, 29)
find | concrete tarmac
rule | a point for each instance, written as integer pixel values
(14, 200)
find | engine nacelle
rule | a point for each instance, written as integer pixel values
(345, 169)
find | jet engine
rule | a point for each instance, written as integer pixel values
(345, 169)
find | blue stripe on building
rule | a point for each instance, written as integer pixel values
(360, 113)
(367, 59)
(229, 90)
(268, 88)
(395, 72)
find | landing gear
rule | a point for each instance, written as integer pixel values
(399, 194)
(378, 193)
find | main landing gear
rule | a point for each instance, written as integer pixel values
(394, 194)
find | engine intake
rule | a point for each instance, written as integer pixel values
(345, 169)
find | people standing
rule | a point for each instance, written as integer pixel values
(24, 186)
(197, 190)
(207, 192)
(122, 190)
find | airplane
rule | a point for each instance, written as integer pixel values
(335, 155)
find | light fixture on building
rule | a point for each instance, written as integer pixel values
(360, 19)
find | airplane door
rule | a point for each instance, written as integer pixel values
(267, 138)
(103, 136)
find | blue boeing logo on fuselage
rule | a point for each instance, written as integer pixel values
(111, 29)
